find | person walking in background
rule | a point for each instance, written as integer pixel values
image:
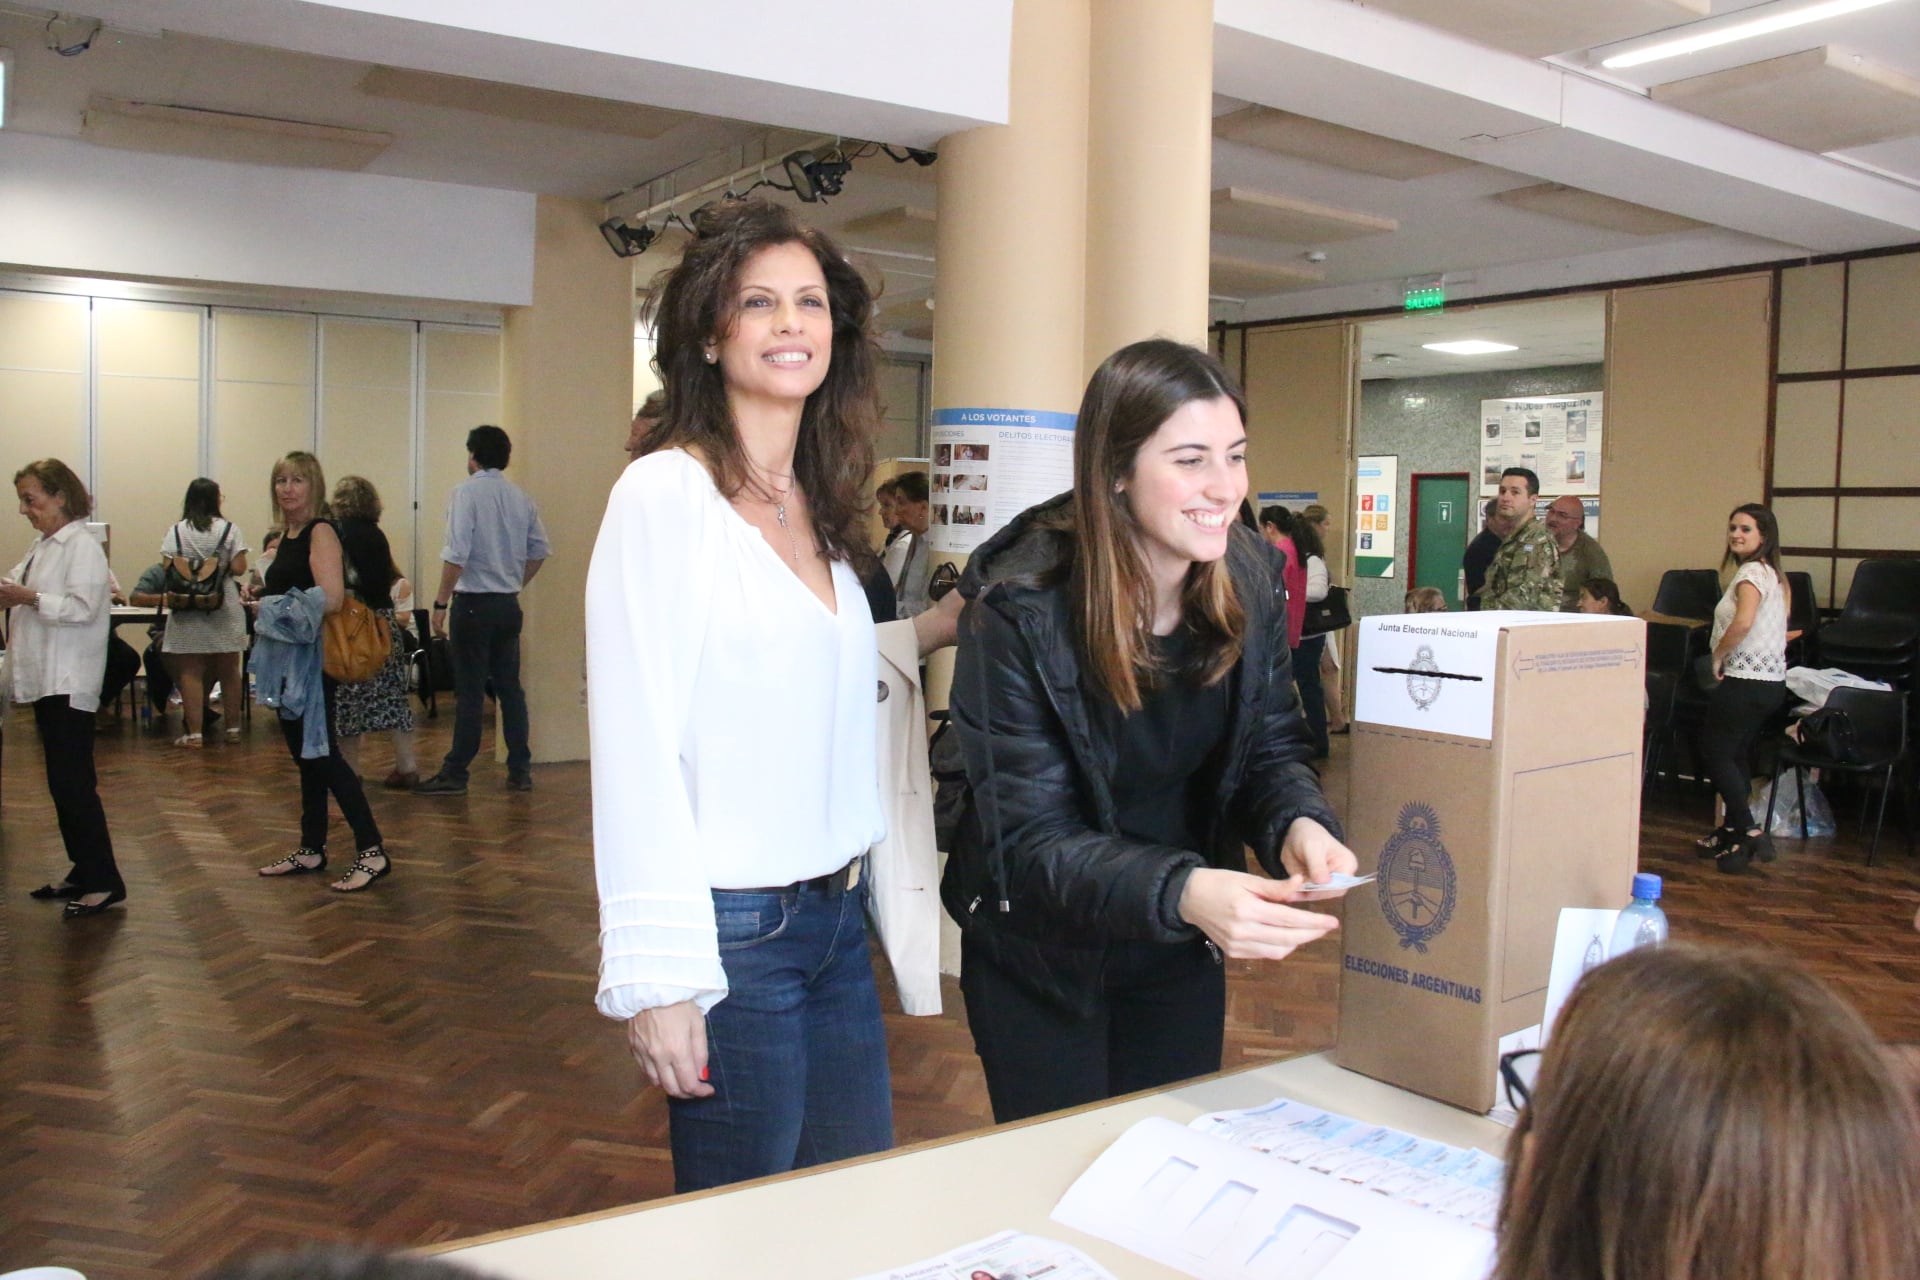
(651, 411)
(57, 623)
(1581, 557)
(381, 704)
(910, 498)
(309, 558)
(202, 646)
(1322, 521)
(1522, 575)
(1310, 653)
(1480, 552)
(495, 545)
(1749, 659)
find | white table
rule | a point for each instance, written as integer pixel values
(885, 1211)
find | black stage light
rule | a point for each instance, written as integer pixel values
(626, 241)
(812, 177)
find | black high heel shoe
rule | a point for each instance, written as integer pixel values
(75, 909)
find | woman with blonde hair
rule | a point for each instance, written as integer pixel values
(1711, 1116)
(380, 704)
(1129, 727)
(309, 557)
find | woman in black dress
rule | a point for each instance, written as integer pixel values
(309, 555)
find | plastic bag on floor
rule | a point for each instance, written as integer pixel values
(1786, 810)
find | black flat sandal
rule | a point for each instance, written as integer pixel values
(365, 868)
(292, 866)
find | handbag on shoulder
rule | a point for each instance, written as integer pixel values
(356, 640)
(1327, 615)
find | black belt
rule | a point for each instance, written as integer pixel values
(832, 883)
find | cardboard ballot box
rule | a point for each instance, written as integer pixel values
(1495, 779)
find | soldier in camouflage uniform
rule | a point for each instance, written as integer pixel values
(1523, 573)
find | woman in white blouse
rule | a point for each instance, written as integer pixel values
(731, 692)
(58, 617)
(1749, 673)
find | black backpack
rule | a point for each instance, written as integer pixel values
(197, 584)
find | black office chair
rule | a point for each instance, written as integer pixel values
(424, 682)
(1803, 615)
(1879, 718)
(1688, 593)
(1668, 647)
(1878, 632)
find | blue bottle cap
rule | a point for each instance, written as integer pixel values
(1646, 885)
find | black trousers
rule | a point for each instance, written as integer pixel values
(1736, 712)
(483, 635)
(322, 774)
(66, 738)
(1162, 1018)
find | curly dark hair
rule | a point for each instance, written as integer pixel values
(694, 303)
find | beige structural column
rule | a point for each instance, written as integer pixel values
(1149, 172)
(566, 384)
(1011, 279)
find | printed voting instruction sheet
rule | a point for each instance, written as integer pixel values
(1290, 1192)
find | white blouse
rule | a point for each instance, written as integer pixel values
(1762, 652)
(61, 645)
(733, 725)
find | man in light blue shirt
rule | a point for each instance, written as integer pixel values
(495, 544)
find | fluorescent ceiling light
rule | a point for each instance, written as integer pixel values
(1469, 347)
(1742, 30)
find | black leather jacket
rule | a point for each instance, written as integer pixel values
(1059, 881)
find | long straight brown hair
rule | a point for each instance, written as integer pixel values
(1131, 394)
(694, 303)
(1711, 1116)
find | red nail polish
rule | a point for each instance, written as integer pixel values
(703, 1073)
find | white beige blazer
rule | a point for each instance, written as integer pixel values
(905, 893)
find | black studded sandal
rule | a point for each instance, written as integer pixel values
(291, 865)
(1714, 843)
(365, 867)
(1742, 849)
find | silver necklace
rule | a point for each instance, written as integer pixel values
(780, 513)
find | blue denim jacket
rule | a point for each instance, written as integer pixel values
(286, 663)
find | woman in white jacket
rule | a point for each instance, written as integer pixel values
(732, 681)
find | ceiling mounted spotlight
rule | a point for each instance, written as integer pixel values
(814, 177)
(626, 241)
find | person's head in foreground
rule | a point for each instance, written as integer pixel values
(339, 1262)
(1711, 1116)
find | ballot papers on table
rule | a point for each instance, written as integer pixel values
(1011, 1255)
(1287, 1192)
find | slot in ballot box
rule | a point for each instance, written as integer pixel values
(1495, 779)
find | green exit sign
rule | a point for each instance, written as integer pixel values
(1428, 298)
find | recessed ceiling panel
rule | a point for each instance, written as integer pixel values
(1570, 204)
(1287, 134)
(1246, 278)
(1825, 99)
(224, 135)
(1540, 27)
(902, 227)
(518, 102)
(1265, 216)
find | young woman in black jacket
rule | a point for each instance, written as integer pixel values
(1129, 724)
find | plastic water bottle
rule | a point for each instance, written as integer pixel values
(1642, 923)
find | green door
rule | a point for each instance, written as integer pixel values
(1442, 525)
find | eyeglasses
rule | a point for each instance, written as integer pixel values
(1518, 1073)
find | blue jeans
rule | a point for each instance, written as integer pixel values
(1313, 698)
(483, 635)
(796, 1053)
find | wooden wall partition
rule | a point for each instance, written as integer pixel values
(1686, 428)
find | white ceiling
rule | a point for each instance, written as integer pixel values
(1551, 332)
(1519, 120)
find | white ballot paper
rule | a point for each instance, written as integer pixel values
(1289, 1192)
(1011, 1255)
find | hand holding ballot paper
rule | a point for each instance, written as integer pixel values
(1248, 918)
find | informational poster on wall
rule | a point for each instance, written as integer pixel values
(1555, 437)
(989, 465)
(1374, 514)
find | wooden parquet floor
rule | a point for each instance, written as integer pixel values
(232, 1064)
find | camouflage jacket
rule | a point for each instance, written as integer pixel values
(1522, 575)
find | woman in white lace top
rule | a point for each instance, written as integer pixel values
(1749, 672)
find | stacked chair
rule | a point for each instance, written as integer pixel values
(1877, 635)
